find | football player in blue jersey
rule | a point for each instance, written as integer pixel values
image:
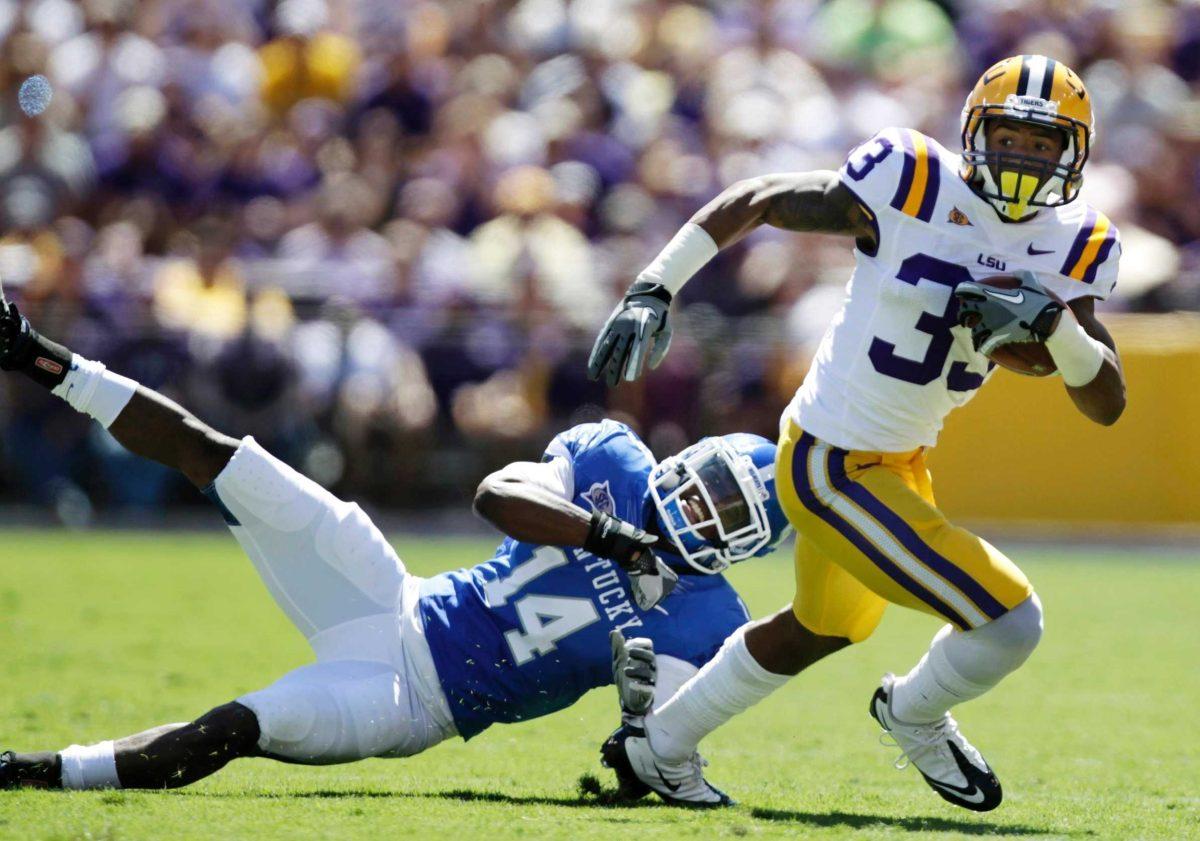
(598, 535)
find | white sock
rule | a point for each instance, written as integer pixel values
(961, 665)
(730, 683)
(94, 766)
(94, 390)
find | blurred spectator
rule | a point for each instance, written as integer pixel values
(381, 235)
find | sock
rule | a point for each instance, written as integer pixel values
(729, 684)
(961, 665)
(95, 391)
(94, 766)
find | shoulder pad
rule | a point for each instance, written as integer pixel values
(898, 168)
(586, 436)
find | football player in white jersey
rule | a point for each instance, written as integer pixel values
(851, 462)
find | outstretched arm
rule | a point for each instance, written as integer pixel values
(639, 330)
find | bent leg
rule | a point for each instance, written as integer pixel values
(962, 665)
(153, 427)
(324, 562)
(143, 421)
(341, 711)
(873, 514)
(180, 754)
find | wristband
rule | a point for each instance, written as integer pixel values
(95, 391)
(683, 256)
(602, 533)
(1078, 356)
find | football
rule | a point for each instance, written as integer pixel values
(1029, 358)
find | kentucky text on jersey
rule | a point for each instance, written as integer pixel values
(526, 633)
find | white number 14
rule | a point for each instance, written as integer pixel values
(544, 619)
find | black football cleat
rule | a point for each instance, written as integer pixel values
(33, 770)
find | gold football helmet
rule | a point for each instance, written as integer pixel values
(1032, 89)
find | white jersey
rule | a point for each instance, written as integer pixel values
(894, 363)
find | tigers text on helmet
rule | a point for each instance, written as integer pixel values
(1031, 89)
(717, 503)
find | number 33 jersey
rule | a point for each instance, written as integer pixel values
(526, 633)
(894, 363)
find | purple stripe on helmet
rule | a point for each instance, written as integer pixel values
(860, 542)
(899, 528)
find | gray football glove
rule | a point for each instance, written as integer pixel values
(637, 330)
(1003, 316)
(635, 673)
(650, 588)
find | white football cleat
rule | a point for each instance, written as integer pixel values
(949, 763)
(627, 752)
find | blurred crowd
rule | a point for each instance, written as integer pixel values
(379, 235)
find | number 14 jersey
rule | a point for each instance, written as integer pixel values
(894, 363)
(526, 633)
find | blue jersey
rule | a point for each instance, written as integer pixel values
(526, 633)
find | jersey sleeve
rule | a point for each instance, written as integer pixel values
(897, 173)
(595, 452)
(554, 474)
(1090, 267)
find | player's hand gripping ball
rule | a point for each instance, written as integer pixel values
(1010, 317)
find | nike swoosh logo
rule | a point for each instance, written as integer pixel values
(987, 80)
(671, 786)
(971, 793)
(1012, 297)
(1033, 252)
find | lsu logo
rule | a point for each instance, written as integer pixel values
(600, 497)
(958, 217)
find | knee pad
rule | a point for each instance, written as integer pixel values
(986, 653)
(256, 483)
(296, 723)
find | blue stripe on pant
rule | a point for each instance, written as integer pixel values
(860, 541)
(910, 540)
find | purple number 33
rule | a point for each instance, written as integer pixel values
(864, 158)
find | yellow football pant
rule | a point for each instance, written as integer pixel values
(869, 533)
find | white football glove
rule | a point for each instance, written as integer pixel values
(635, 673)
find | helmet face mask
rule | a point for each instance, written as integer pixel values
(714, 505)
(1037, 91)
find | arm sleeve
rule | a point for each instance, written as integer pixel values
(554, 475)
(1091, 266)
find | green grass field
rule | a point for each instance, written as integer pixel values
(105, 634)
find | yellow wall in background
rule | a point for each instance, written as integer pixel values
(1020, 451)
